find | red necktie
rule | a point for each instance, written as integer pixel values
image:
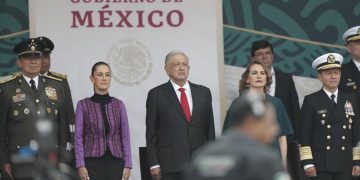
(185, 104)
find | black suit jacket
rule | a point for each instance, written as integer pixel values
(285, 90)
(330, 133)
(350, 79)
(20, 110)
(170, 139)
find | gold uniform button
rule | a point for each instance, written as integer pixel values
(328, 137)
(328, 147)
(18, 147)
(343, 148)
(344, 126)
(343, 137)
(37, 100)
(328, 126)
(38, 112)
(323, 115)
(347, 116)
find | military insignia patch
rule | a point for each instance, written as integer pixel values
(51, 93)
(18, 97)
(349, 109)
(331, 58)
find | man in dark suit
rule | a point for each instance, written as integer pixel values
(330, 126)
(243, 152)
(32, 116)
(350, 72)
(179, 120)
(282, 87)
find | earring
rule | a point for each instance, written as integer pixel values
(247, 85)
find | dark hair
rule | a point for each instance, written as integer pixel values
(261, 44)
(243, 84)
(93, 69)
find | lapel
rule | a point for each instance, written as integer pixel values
(195, 94)
(41, 86)
(170, 93)
(327, 104)
(279, 83)
(355, 73)
(339, 110)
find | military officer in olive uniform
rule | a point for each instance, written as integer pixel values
(330, 126)
(350, 72)
(45, 71)
(25, 99)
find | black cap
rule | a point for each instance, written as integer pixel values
(48, 44)
(29, 46)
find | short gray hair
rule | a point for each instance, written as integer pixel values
(173, 53)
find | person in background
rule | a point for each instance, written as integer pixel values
(350, 72)
(330, 129)
(102, 137)
(256, 81)
(243, 152)
(45, 71)
(179, 120)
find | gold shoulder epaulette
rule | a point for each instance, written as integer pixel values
(17, 73)
(58, 75)
(8, 78)
(54, 78)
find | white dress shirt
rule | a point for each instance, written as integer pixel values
(328, 93)
(187, 92)
(36, 79)
(273, 84)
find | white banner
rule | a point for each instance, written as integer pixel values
(133, 36)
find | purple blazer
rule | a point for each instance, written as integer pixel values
(90, 140)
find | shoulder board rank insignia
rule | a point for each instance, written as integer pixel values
(17, 73)
(58, 75)
(54, 78)
(8, 78)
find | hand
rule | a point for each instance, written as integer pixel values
(126, 173)
(7, 170)
(311, 171)
(155, 173)
(356, 171)
(83, 173)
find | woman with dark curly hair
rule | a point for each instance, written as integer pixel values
(256, 81)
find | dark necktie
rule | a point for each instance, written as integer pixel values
(33, 87)
(185, 104)
(333, 99)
